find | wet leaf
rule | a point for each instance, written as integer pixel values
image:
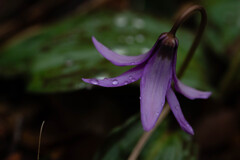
(56, 58)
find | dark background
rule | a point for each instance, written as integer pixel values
(79, 121)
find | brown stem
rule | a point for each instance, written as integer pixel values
(136, 151)
(39, 140)
(184, 16)
(189, 12)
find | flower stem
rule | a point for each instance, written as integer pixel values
(142, 141)
(183, 16)
(39, 140)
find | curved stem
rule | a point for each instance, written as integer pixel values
(184, 16)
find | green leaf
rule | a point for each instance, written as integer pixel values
(57, 57)
(121, 141)
(161, 145)
(224, 23)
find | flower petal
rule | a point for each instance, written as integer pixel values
(122, 60)
(130, 76)
(176, 109)
(155, 82)
(187, 91)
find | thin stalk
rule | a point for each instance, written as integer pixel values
(39, 140)
(138, 148)
(182, 18)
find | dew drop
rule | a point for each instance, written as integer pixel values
(126, 82)
(94, 81)
(130, 77)
(133, 79)
(140, 97)
(157, 114)
(115, 82)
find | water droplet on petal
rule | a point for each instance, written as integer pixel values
(94, 81)
(115, 82)
(140, 97)
(157, 114)
(126, 82)
(130, 77)
(133, 79)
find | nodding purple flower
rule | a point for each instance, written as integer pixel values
(157, 69)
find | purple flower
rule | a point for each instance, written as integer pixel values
(157, 69)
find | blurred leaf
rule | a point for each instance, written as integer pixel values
(60, 55)
(231, 79)
(161, 145)
(121, 141)
(224, 23)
